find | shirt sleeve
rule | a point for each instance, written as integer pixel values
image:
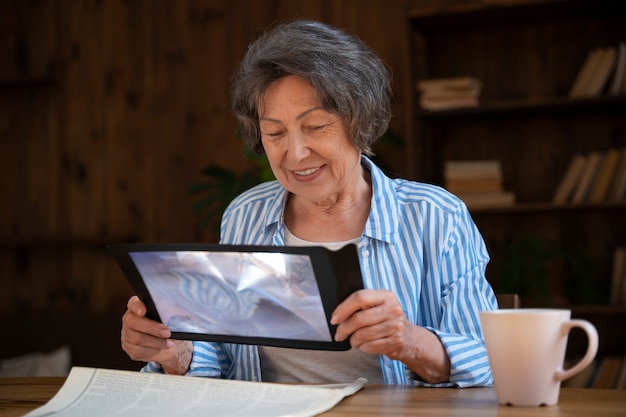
(466, 292)
(208, 360)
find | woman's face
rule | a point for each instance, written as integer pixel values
(308, 148)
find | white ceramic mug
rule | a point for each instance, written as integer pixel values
(526, 350)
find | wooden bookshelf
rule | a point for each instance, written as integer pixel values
(527, 55)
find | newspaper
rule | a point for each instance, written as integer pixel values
(99, 392)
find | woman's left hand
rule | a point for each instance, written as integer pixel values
(375, 323)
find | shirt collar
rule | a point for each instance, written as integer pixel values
(382, 222)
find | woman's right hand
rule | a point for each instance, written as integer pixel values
(146, 340)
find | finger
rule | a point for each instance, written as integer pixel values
(132, 336)
(144, 325)
(388, 332)
(142, 346)
(385, 346)
(368, 319)
(141, 353)
(358, 300)
(380, 320)
(136, 305)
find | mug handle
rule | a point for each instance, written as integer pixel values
(592, 348)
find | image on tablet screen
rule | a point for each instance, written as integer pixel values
(251, 294)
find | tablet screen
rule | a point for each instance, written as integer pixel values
(253, 294)
(268, 295)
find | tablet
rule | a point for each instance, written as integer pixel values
(262, 295)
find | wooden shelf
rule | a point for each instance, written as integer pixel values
(547, 207)
(547, 107)
(588, 310)
(464, 16)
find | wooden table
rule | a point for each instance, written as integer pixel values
(20, 395)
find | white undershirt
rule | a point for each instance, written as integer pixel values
(317, 366)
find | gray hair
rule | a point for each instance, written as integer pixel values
(348, 77)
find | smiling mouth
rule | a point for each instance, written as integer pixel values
(306, 172)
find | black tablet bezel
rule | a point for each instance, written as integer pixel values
(338, 274)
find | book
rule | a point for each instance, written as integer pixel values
(585, 74)
(570, 179)
(448, 93)
(620, 70)
(446, 84)
(116, 392)
(478, 183)
(591, 169)
(600, 374)
(281, 296)
(603, 69)
(464, 185)
(618, 278)
(621, 297)
(606, 173)
(488, 199)
(602, 72)
(595, 73)
(476, 169)
(615, 370)
(621, 379)
(435, 103)
(608, 373)
(618, 187)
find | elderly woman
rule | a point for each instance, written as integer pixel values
(314, 99)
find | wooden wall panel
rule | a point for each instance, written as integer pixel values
(108, 112)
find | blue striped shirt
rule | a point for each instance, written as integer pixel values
(419, 241)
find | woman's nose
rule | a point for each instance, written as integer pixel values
(297, 148)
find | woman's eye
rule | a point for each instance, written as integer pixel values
(316, 128)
